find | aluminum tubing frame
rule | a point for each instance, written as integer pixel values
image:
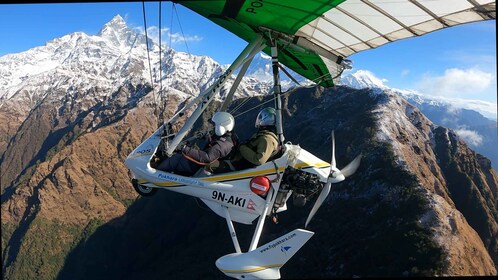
(207, 96)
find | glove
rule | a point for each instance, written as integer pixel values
(180, 147)
(155, 161)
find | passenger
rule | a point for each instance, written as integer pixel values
(188, 160)
(259, 148)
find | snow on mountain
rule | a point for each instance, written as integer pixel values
(119, 34)
(261, 72)
(365, 79)
(362, 79)
(74, 59)
(260, 68)
(472, 120)
(118, 54)
(115, 55)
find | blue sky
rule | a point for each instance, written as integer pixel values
(458, 62)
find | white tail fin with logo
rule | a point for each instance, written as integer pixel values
(265, 261)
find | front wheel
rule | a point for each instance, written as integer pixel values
(143, 190)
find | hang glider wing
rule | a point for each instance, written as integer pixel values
(315, 36)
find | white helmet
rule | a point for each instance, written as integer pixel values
(266, 117)
(223, 122)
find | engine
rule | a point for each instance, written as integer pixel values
(302, 185)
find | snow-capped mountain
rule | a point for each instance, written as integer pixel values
(115, 55)
(362, 79)
(260, 71)
(68, 66)
(468, 122)
(365, 79)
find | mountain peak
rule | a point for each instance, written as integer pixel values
(117, 23)
(117, 31)
(118, 20)
(363, 79)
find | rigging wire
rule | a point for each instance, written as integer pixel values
(165, 100)
(163, 106)
(169, 51)
(288, 92)
(171, 26)
(160, 50)
(181, 29)
(185, 41)
(148, 59)
(170, 46)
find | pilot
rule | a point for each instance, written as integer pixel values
(188, 159)
(259, 148)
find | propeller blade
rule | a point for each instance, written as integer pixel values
(335, 176)
(351, 168)
(321, 198)
(333, 163)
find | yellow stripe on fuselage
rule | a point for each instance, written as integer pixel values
(226, 177)
(307, 164)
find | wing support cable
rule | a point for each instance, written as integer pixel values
(148, 60)
(160, 116)
(288, 74)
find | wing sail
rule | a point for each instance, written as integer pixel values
(315, 36)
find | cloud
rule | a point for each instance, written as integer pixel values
(469, 136)
(167, 37)
(463, 83)
(486, 108)
(179, 38)
(404, 72)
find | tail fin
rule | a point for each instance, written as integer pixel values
(265, 261)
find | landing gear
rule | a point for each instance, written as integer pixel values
(143, 190)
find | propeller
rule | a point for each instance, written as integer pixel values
(335, 176)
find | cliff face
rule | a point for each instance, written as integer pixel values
(74, 181)
(454, 178)
(472, 185)
(404, 173)
(421, 204)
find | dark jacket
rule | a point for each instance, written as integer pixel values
(218, 148)
(257, 150)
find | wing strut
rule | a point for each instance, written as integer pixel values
(241, 74)
(231, 228)
(257, 231)
(203, 100)
(261, 222)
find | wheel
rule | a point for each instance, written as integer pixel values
(143, 190)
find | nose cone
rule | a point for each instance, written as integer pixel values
(337, 177)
